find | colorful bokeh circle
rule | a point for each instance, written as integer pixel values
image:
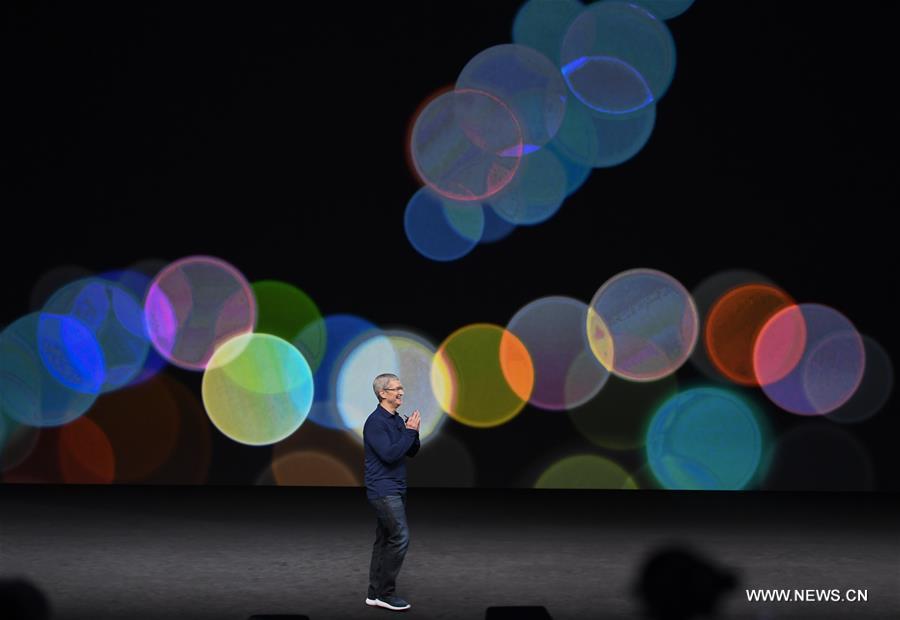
(50, 370)
(585, 471)
(466, 144)
(628, 36)
(195, 305)
(642, 325)
(527, 81)
(115, 318)
(733, 325)
(809, 359)
(705, 439)
(257, 389)
(566, 375)
(285, 311)
(482, 375)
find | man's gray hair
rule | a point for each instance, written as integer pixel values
(381, 382)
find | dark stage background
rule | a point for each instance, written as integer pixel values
(273, 137)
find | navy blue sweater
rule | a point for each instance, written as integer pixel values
(387, 443)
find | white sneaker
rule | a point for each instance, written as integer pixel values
(394, 603)
(371, 602)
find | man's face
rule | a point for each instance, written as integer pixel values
(393, 394)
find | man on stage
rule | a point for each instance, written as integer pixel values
(389, 438)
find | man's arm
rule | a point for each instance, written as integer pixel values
(378, 437)
(413, 424)
(414, 447)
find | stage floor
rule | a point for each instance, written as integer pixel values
(231, 552)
